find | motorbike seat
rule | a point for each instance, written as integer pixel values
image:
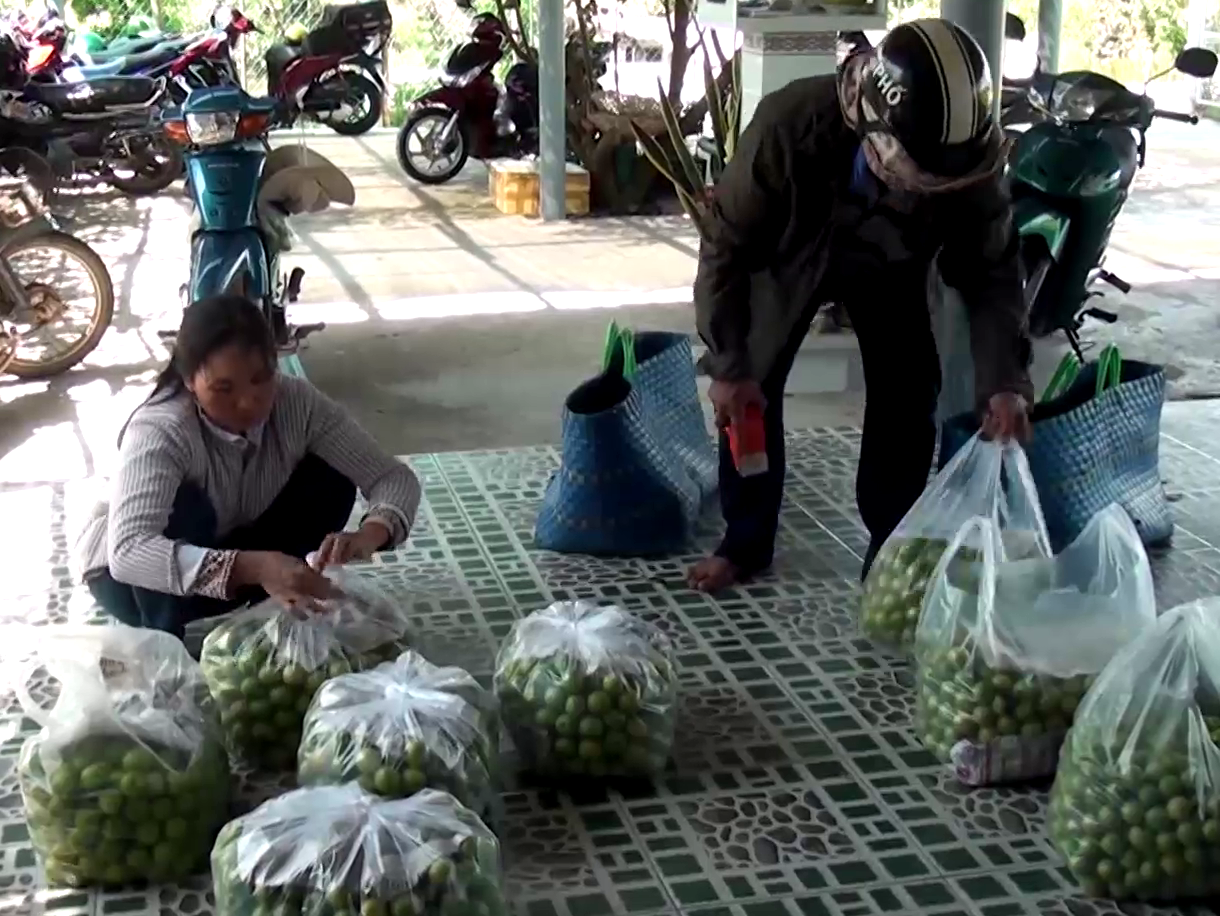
(156, 57)
(95, 96)
(277, 59)
(123, 49)
(100, 71)
(159, 53)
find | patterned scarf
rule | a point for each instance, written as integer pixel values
(885, 156)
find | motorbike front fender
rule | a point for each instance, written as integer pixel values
(367, 65)
(229, 261)
(1034, 219)
(441, 97)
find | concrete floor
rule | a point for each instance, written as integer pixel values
(451, 326)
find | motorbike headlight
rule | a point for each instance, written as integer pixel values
(1074, 103)
(211, 128)
(468, 77)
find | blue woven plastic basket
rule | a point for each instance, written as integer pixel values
(638, 464)
(1089, 450)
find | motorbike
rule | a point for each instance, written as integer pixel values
(1070, 172)
(30, 310)
(334, 74)
(242, 194)
(187, 63)
(468, 115)
(101, 127)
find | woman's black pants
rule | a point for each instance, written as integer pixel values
(316, 501)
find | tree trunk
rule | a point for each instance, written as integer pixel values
(679, 27)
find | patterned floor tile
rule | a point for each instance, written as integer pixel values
(797, 785)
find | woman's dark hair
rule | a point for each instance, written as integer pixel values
(209, 325)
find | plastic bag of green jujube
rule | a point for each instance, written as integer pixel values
(987, 479)
(401, 727)
(128, 780)
(264, 665)
(1006, 649)
(340, 851)
(1135, 808)
(589, 690)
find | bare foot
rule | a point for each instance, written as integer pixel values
(711, 574)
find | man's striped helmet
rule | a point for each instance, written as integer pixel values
(929, 86)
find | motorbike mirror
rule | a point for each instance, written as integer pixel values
(1197, 62)
(1014, 27)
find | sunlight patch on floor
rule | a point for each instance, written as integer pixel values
(460, 305)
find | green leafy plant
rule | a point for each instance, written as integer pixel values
(668, 151)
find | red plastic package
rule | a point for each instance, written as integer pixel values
(748, 443)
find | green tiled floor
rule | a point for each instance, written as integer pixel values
(797, 786)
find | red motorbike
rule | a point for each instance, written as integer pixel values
(187, 63)
(467, 115)
(334, 74)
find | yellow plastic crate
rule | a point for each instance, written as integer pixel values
(513, 185)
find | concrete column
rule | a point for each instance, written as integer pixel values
(771, 60)
(1050, 27)
(552, 123)
(983, 19)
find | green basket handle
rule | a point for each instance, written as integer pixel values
(1066, 372)
(619, 340)
(611, 345)
(1109, 369)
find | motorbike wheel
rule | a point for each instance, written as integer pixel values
(73, 249)
(436, 118)
(165, 165)
(362, 91)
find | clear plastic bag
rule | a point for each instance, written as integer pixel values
(264, 664)
(589, 690)
(128, 779)
(402, 727)
(1006, 649)
(1135, 808)
(339, 851)
(986, 479)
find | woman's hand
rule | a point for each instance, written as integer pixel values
(284, 578)
(349, 546)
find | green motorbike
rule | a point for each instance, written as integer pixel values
(1070, 173)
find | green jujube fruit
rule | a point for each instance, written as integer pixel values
(127, 782)
(588, 690)
(1010, 717)
(894, 589)
(115, 811)
(264, 665)
(1137, 827)
(426, 855)
(1135, 808)
(402, 727)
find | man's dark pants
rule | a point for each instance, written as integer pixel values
(889, 313)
